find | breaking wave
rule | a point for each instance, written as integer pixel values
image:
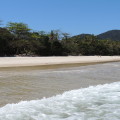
(101, 102)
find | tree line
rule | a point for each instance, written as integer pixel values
(17, 39)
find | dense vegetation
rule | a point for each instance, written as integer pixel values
(112, 34)
(19, 39)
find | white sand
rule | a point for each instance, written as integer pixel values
(34, 61)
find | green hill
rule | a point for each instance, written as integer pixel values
(112, 34)
(83, 37)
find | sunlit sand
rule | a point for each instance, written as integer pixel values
(34, 61)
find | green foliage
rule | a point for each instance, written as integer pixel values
(20, 30)
(112, 35)
(5, 40)
(18, 39)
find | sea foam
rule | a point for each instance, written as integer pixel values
(101, 102)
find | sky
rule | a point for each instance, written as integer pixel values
(71, 16)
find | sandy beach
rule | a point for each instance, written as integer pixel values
(39, 61)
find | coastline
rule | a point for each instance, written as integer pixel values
(45, 80)
(8, 62)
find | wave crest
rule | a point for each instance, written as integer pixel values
(99, 102)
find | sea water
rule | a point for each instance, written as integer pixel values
(101, 102)
(22, 92)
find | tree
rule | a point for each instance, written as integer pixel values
(20, 30)
(65, 36)
(5, 40)
(0, 22)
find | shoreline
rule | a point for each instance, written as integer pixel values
(49, 62)
(36, 82)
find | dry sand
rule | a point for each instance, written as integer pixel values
(39, 61)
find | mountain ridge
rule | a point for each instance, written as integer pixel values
(110, 35)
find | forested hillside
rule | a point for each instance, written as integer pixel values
(112, 35)
(17, 39)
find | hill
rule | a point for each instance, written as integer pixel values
(112, 34)
(83, 37)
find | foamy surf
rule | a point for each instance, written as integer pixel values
(100, 102)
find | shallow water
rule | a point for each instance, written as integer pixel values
(94, 103)
(32, 84)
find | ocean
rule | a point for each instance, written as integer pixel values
(76, 93)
